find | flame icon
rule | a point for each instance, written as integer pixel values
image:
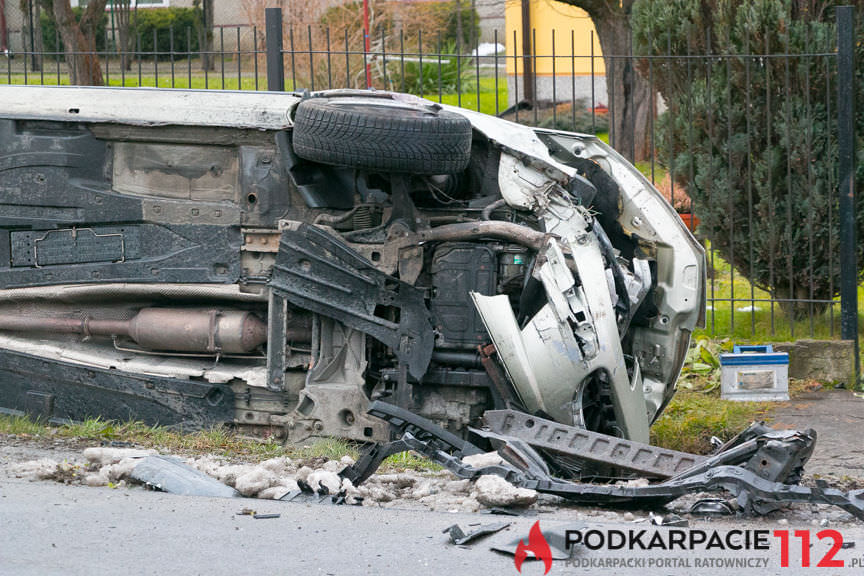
(537, 545)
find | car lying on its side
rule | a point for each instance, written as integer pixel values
(276, 262)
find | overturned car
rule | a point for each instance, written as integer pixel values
(277, 262)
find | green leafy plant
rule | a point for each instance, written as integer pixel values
(442, 73)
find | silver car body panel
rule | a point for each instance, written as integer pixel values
(150, 106)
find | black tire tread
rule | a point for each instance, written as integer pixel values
(382, 138)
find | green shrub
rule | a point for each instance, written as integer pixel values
(434, 77)
(163, 21)
(755, 133)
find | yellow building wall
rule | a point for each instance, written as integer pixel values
(572, 31)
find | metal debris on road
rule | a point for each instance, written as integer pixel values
(168, 474)
(460, 538)
(761, 467)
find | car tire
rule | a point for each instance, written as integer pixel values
(381, 134)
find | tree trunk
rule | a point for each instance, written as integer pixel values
(123, 13)
(630, 102)
(81, 58)
(205, 39)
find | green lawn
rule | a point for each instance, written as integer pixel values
(212, 81)
(739, 310)
(487, 99)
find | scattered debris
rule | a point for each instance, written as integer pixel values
(482, 460)
(106, 455)
(504, 511)
(847, 544)
(45, 469)
(169, 474)
(761, 468)
(460, 538)
(265, 516)
(755, 466)
(277, 492)
(324, 480)
(255, 481)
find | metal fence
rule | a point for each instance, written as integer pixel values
(757, 143)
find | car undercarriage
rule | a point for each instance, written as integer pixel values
(279, 262)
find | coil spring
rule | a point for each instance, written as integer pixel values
(362, 218)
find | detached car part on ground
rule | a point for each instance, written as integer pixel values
(279, 263)
(276, 261)
(761, 467)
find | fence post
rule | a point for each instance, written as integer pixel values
(273, 38)
(846, 179)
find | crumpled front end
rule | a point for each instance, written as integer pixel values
(605, 349)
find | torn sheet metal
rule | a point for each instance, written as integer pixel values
(575, 337)
(775, 455)
(168, 474)
(460, 538)
(753, 492)
(712, 507)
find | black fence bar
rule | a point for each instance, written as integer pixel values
(273, 38)
(846, 171)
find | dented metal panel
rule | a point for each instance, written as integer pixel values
(149, 106)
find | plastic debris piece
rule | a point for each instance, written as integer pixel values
(171, 475)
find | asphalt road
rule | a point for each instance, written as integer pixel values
(49, 528)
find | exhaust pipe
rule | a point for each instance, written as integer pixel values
(165, 329)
